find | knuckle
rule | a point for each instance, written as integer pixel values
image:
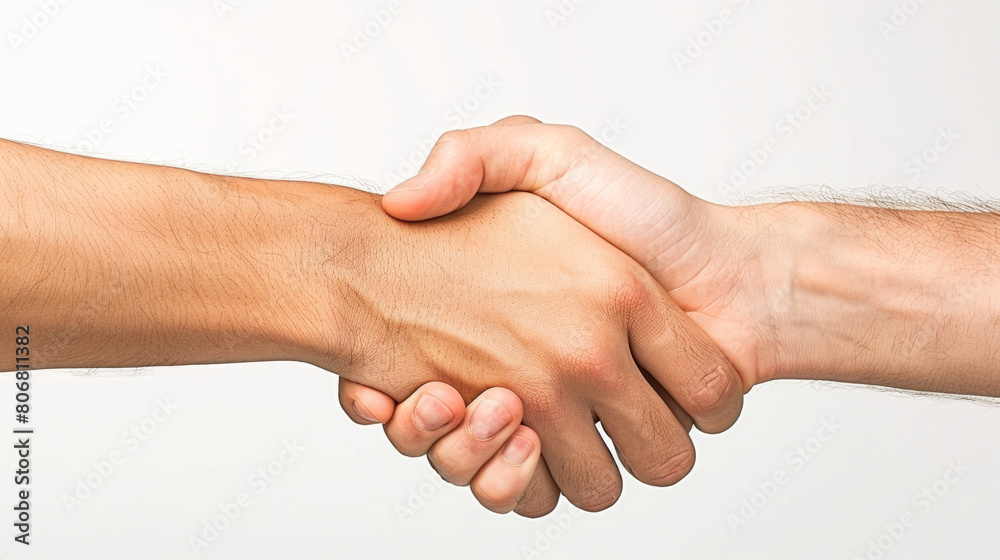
(448, 471)
(628, 291)
(598, 367)
(519, 119)
(601, 495)
(573, 133)
(654, 441)
(591, 482)
(542, 401)
(405, 446)
(591, 355)
(654, 431)
(535, 507)
(673, 469)
(451, 471)
(710, 390)
(494, 497)
(455, 137)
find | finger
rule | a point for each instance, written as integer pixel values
(579, 462)
(365, 405)
(515, 120)
(515, 154)
(428, 414)
(502, 481)
(651, 443)
(489, 422)
(679, 413)
(541, 495)
(685, 420)
(677, 353)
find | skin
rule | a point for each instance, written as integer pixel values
(800, 290)
(115, 264)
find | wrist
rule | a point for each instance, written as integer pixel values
(874, 296)
(315, 274)
(810, 272)
(330, 273)
(754, 265)
(241, 286)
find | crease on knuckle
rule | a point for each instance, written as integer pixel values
(708, 393)
(629, 293)
(459, 137)
(596, 488)
(592, 358)
(600, 495)
(656, 441)
(655, 427)
(534, 507)
(590, 480)
(541, 403)
(452, 472)
(672, 470)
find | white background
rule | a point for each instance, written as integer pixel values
(218, 77)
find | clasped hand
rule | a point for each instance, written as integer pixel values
(606, 295)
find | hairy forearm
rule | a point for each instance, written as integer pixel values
(902, 298)
(116, 264)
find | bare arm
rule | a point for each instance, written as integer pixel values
(120, 264)
(899, 298)
(117, 264)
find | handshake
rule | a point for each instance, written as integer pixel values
(609, 294)
(494, 337)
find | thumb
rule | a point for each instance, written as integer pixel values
(449, 179)
(517, 153)
(365, 405)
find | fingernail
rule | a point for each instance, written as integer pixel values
(431, 414)
(517, 451)
(489, 418)
(410, 184)
(363, 412)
